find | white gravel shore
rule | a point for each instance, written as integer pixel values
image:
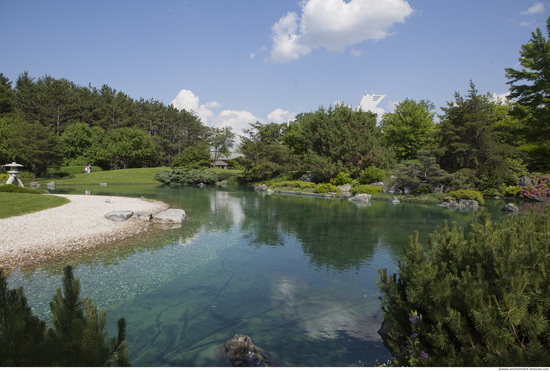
(77, 225)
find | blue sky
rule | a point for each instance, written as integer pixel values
(241, 61)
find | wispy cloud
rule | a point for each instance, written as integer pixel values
(536, 8)
(334, 25)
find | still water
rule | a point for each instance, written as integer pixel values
(297, 274)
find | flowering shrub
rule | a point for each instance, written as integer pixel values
(540, 187)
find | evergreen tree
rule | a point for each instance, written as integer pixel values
(338, 139)
(468, 140)
(265, 154)
(75, 338)
(530, 91)
(477, 299)
(21, 333)
(7, 96)
(409, 128)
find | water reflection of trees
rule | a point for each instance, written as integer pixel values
(331, 234)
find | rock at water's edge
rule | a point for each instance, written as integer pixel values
(143, 215)
(510, 207)
(361, 198)
(170, 216)
(119, 216)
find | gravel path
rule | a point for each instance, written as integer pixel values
(77, 225)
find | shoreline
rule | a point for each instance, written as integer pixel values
(75, 226)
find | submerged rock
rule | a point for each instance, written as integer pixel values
(242, 352)
(468, 203)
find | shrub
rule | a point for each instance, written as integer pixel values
(467, 194)
(540, 187)
(12, 188)
(186, 176)
(325, 188)
(293, 184)
(491, 192)
(341, 179)
(368, 189)
(420, 191)
(372, 174)
(478, 299)
(512, 191)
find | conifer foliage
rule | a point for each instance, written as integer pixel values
(75, 338)
(472, 299)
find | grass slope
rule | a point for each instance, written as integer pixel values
(14, 204)
(123, 176)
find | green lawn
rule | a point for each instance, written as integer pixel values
(123, 176)
(14, 204)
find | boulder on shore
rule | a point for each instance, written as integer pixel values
(119, 216)
(175, 216)
(242, 352)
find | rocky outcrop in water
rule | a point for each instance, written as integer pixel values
(242, 352)
(362, 198)
(510, 208)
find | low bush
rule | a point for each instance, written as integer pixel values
(341, 179)
(185, 176)
(368, 189)
(325, 188)
(420, 191)
(467, 194)
(293, 184)
(12, 188)
(512, 191)
(491, 192)
(372, 174)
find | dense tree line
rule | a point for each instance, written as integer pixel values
(46, 122)
(479, 141)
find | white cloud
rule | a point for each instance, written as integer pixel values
(280, 116)
(211, 115)
(534, 9)
(334, 25)
(501, 97)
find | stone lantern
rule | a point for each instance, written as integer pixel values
(13, 171)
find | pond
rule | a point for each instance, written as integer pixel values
(297, 274)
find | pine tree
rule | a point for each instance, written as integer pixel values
(76, 338)
(21, 333)
(477, 299)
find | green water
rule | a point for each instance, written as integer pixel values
(297, 274)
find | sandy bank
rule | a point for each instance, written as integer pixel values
(80, 224)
